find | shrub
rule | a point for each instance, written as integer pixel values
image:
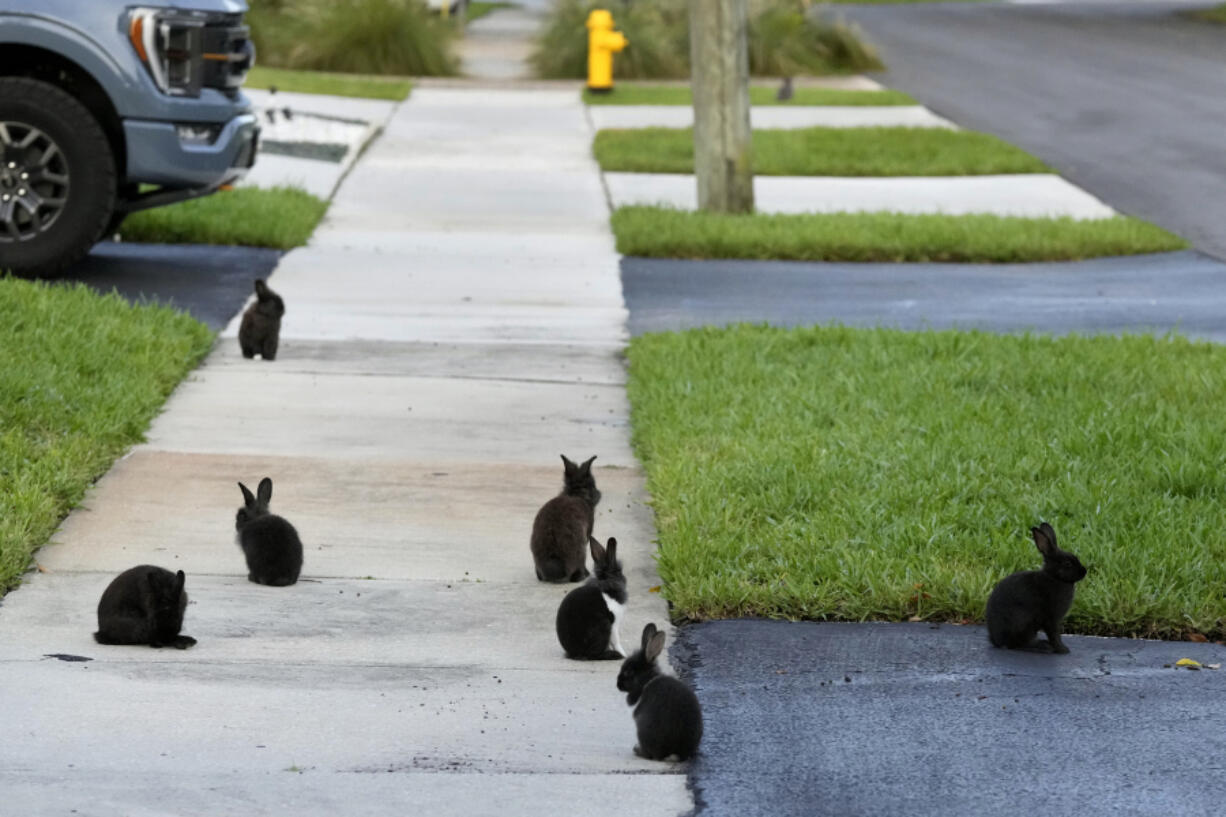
(357, 36)
(784, 40)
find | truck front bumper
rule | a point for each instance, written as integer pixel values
(157, 154)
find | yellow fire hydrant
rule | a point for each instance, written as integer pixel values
(602, 43)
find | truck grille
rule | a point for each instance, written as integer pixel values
(228, 53)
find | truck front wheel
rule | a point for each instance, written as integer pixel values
(57, 178)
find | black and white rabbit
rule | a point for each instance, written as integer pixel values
(144, 605)
(589, 617)
(1032, 600)
(260, 330)
(564, 524)
(270, 543)
(668, 717)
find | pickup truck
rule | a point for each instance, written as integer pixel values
(106, 108)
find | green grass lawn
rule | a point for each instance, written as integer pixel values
(662, 232)
(477, 10)
(833, 473)
(1216, 14)
(280, 217)
(83, 376)
(368, 86)
(629, 93)
(825, 152)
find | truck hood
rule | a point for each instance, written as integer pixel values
(229, 6)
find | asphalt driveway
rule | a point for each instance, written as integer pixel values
(210, 283)
(1183, 292)
(811, 719)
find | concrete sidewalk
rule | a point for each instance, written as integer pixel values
(1034, 195)
(317, 144)
(771, 116)
(454, 325)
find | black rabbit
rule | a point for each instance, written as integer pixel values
(1033, 600)
(144, 605)
(589, 617)
(260, 330)
(270, 543)
(563, 526)
(668, 717)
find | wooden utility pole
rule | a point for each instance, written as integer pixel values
(719, 57)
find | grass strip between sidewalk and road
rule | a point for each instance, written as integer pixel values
(366, 86)
(85, 374)
(663, 232)
(877, 151)
(628, 93)
(278, 217)
(855, 474)
(1215, 14)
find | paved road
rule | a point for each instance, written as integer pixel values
(211, 283)
(890, 719)
(1125, 99)
(1183, 291)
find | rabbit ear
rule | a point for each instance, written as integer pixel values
(654, 647)
(180, 578)
(1050, 533)
(586, 468)
(598, 551)
(1046, 544)
(612, 548)
(264, 492)
(261, 289)
(648, 633)
(248, 497)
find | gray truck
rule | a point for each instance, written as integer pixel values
(108, 107)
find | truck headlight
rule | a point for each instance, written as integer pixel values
(169, 43)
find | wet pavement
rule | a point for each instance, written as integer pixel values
(210, 283)
(921, 719)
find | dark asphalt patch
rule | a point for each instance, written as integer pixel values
(1183, 292)
(210, 283)
(918, 719)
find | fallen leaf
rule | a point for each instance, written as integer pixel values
(655, 589)
(915, 618)
(41, 569)
(1197, 637)
(1187, 662)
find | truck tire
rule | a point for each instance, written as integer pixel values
(57, 178)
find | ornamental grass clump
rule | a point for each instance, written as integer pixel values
(358, 36)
